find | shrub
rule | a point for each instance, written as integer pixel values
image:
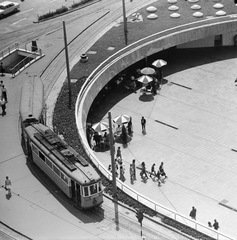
(53, 13)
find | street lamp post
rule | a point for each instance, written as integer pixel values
(125, 28)
(111, 141)
(67, 65)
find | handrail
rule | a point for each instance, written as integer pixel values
(8, 50)
(139, 197)
(25, 61)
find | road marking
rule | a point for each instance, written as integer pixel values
(53, 1)
(24, 11)
(19, 21)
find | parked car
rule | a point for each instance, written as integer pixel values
(8, 7)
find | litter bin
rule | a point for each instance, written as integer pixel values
(34, 47)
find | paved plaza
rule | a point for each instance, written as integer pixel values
(192, 128)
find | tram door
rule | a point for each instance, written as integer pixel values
(78, 194)
(73, 189)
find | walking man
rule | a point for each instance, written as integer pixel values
(131, 171)
(153, 170)
(119, 154)
(143, 171)
(2, 69)
(216, 225)
(134, 169)
(143, 123)
(3, 105)
(4, 93)
(122, 178)
(162, 171)
(8, 185)
(193, 213)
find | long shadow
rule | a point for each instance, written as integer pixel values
(85, 216)
(146, 98)
(182, 59)
(99, 110)
(177, 60)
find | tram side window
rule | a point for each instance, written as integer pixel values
(49, 163)
(56, 170)
(93, 188)
(41, 155)
(64, 178)
(86, 192)
(34, 149)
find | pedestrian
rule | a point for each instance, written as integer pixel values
(2, 69)
(121, 177)
(4, 92)
(131, 171)
(193, 213)
(8, 185)
(158, 178)
(162, 171)
(130, 127)
(3, 105)
(134, 169)
(216, 225)
(119, 154)
(116, 168)
(110, 168)
(153, 170)
(143, 171)
(143, 123)
(1, 84)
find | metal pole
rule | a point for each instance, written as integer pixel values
(67, 65)
(141, 229)
(125, 28)
(111, 141)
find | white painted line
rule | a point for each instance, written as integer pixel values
(19, 21)
(53, 1)
(24, 11)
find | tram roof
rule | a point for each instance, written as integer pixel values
(32, 99)
(74, 164)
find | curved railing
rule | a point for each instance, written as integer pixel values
(79, 111)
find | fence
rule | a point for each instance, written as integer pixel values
(8, 50)
(25, 62)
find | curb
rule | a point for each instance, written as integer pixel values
(70, 10)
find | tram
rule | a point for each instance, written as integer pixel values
(60, 162)
(66, 168)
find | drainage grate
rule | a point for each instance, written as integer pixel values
(166, 124)
(182, 86)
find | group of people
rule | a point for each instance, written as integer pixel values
(159, 174)
(193, 214)
(130, 83)
(3, 98)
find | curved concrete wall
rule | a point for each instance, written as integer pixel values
(139, 50)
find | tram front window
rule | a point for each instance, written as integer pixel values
(86, 191)
(100, 188)
(93, 189)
